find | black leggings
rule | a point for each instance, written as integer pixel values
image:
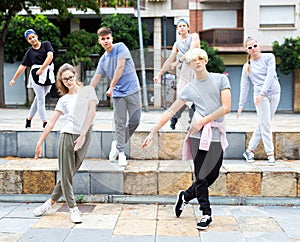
(207, 166)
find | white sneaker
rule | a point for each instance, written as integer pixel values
(46, 208)
(113, 154)
(271, 160)
(75, 215)
(122, 159)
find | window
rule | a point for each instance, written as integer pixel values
(212, 19)
(277, 16)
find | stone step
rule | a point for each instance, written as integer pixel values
(151, 178)
(166, 145)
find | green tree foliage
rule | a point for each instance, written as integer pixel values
(79, 51)
(125, 29)
(10, 8)
(16, 45)
(215, 62)
(289, 54)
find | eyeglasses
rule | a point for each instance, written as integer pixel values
(70, 78)
(252, 47)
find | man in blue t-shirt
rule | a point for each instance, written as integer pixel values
(117, 64)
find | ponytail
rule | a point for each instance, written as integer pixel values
(248, 66)
(249, 38)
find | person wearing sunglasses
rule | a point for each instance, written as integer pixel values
(260, 70)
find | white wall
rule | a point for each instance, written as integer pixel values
(266, 36)
(15, 95)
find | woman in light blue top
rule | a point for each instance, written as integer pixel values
(186, 42)
(260, 69)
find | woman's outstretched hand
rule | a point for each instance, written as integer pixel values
(239, 112)
(147, 140)
(38, 152)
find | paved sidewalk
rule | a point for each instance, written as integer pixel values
(149, 222)
(14, 119)
(106, 222)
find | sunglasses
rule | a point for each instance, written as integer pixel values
(252, 47)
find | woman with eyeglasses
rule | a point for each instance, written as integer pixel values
(78, 103)
(260, 70)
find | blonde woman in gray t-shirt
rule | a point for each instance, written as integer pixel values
(260, 70)
(210, 92)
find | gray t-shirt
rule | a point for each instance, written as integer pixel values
(128, 82)
(184, 45)
(206, 96)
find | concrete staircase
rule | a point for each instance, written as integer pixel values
(155, 171)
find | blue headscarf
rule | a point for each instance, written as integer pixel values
(183, 20)
(28, 32)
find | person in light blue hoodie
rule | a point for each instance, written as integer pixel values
(260, 70)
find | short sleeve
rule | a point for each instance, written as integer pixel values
(92, 94)
(48, 46)
(60, 107)
(123, 52)
(225, 84)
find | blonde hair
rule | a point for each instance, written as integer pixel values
(195, 53)
(248, 56)
(62, 89)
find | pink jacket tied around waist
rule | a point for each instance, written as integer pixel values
(205, 139)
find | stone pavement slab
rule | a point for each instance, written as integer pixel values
(14, 119)
(150, 222)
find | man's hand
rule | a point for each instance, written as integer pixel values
(12, 82)
(109, 92)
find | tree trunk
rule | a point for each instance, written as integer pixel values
(2, 97)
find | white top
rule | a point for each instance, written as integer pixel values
(76, 107)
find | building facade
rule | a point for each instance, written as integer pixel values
(224, 24)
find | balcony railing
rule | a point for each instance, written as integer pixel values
(223, 36)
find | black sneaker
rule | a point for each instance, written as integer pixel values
(44, 124)
(28, 123)
(204, 222)
(173, 122)
(180, 204)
